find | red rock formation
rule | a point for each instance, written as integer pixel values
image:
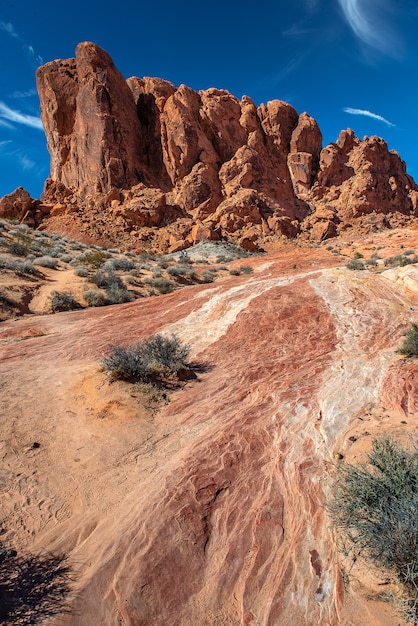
(16, 204)
(94, 137)
(363, 177)
(224, 167)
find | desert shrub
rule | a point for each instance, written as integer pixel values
(18, 248)
(120, 263)
(234, 272)
(358, 255)
(106, 280)
(207, 276)
(178, 270)
(400, 260)
(355, 264)
(63, 301)
(151, 358)
(26, 267)
(46, 261)
(162, 284)
(163, 263)
(93, 258)
(82, 271)
(20, 266)
(168, 352)
(65, 258)
(375, 506)
(409, 252)
(6, 301)
(56, 251)
(186, 260)
(246, 269)
(126, 363)
(118, 294)
(132, 280)
(371, 262)
(410, 344)
(95, 297)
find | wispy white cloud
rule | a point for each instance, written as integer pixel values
(12, 115)
(370, 22)
(28, 93)
(26, 162)
(9, 29)
(33, 58)
(375, 116)
(11, 151)
(297, 30)
(311, 5)
(4, 124)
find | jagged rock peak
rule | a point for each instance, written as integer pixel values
(220, 165)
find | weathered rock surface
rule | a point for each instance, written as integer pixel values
(16, 204)
(210, 155)
(211, 512)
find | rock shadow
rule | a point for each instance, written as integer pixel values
(32, 587)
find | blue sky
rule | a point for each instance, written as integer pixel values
(348, 63)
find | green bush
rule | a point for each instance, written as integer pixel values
(93, 258)
(375, 506)
(410, 345)
(152, 358)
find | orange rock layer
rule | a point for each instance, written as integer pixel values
(212, 512)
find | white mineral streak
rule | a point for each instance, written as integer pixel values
(353, 381)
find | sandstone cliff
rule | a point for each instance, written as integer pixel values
(144, 164)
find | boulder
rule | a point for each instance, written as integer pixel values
(15, 205)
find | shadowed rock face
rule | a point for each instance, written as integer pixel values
(211, 512)
(226, 168)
